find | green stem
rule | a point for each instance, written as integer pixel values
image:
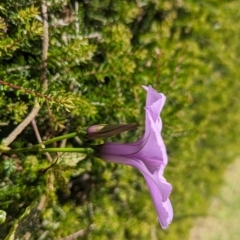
(59, 138)
(76, 150)
(41, 146)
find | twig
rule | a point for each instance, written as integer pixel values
(27, 236)
(42, 202)
(51, 118)
(78, 234)
(158, 64)
(35, 129)
(18, 68)
(2, 124)
(76, 4)
(33, 93)
(43, 235)
(45, 43)
(63, 143)
(21, 126)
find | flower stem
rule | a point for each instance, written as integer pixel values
(75, 150)
(41, 146)
(59, 138)
(55, 139)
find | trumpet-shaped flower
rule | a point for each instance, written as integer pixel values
(148, 155)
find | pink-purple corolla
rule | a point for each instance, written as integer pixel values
(148, 155)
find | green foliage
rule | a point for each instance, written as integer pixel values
(99, 55)
(22, 27)
(3, 215)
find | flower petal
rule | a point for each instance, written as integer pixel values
(164, 209)
(157, 179)
(154, 153)
(153, 96)
(121, 149)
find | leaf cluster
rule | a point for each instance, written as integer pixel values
(99, 55)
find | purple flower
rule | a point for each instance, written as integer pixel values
(148, 155)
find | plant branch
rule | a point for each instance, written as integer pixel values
(56, 139)
(42, 202)
(74, 150)
(35, 129)
(19, 68)
(78, 234)
(33, 93)
(21, 126)
(45, 150)
(45, 44)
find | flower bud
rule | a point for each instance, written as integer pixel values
(108, 130)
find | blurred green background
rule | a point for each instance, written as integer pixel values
(99, 55)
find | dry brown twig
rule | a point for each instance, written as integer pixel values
(45, 44)
(12, 136)
(78, 234)
(37, 134)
